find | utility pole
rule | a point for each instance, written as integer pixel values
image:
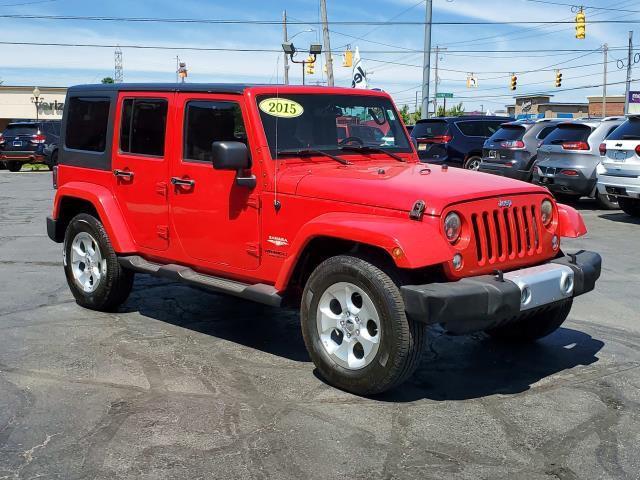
(416, 107)
(327, 42)
(628, 86)
(118, 74)
(426, 62)
(286, 39)
(435, 83)
(605, 51)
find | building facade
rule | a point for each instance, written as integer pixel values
(17, 103)
(541, 106)
(614, 105)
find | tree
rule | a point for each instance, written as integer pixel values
(455, 111)
(406, 116)
(107, 80)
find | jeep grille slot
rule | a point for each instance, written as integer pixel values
(503, 234)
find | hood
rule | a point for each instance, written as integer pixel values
(396, 186)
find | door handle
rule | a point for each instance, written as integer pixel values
(181, 182)
(123, 174)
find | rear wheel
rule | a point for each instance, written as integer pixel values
(607, 201)
(96, 279)
(355, 327)
(53, 160)
(473, 163)
(534, 327)
(14, 166)
(630, 206)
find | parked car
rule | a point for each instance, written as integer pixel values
(456, 141)
(619, 170)
(248, 191)
(568, 157)
(51, 155)
(513, 149)
(25, 142)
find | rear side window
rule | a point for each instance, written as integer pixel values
(510, 132)
(629, 130)
(208, 122)
(472, 129)
(21, 129)
(568, 133)
(429, 129)
(87, 121)
(143, 126)
(544, 133)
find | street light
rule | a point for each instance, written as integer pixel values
(289, 49)
(37, 101)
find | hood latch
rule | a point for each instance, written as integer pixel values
(417, 211)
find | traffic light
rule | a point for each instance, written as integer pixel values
(347, 59)
(311, 65)
(514, 82)
(558, 78)
(581, 25)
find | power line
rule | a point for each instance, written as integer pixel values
(590, 7)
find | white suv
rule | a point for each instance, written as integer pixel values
(619, 171)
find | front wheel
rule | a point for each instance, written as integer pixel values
(14, 166)
(538, 325)
(473, 163)
(630, 206)
(96, 279)
(355, 327)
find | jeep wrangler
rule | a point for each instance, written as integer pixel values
(254, 191)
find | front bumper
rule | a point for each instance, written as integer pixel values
(479, 303)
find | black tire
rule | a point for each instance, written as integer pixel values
(534, 327)
(607, 202)
(116, 282)
(402, 341)
(14, 166)
(630, 206)
(473, 162)
(53, 160)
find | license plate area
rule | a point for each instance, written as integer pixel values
(493, 154)
(542, 285)
(17, 143)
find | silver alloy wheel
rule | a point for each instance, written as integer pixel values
(474, 164)
(87, 265)
(349, 325)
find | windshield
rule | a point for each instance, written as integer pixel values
(568, 133)
(508, 132)
(629, 130)
(430, 128)
(21, 129)
(330, 122)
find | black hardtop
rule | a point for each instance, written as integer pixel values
(232, 88)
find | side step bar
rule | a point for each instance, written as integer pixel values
(259, 292)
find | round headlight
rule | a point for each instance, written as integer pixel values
(546, 212)
(452, 227)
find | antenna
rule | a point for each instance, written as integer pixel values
(118, 76)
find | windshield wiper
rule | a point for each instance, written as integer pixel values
(308, 152)
(363, 149)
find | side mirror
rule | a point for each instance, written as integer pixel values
(230, 155)
(233, 156)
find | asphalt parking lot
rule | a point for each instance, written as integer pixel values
(184, 384)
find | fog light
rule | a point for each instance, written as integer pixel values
(525, 296)
(554, 242)
(457, 261)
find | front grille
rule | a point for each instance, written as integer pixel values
(506, 233)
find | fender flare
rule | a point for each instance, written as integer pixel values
(570, 222)
(108, 210)
(422, 244)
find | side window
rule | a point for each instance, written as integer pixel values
(143, 126)
(610, 131)
(545, 131)
(87, 121)
(471, 129)
(207, 122)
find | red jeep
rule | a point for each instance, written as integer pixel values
(249, 191)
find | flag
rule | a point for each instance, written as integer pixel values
(359, 79)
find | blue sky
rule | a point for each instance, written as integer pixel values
(62, 66)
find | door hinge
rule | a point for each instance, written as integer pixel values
(253, 249)
(161, 188)
(163, 231)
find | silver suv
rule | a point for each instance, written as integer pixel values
(568, 157)
(619, 172)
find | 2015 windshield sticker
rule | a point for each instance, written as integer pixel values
(281, 107)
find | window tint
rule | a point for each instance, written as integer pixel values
(629, 130)
(508, 132)
(143, 126)
(491, 128)
(429, 129)
(472, 129)
(544, 133)
(21, 129)
(568, 133)
(87, 121)
(208, 122)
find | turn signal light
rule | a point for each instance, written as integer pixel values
(575, 146)
(603, 149)
(39, 138)
(512, 144)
